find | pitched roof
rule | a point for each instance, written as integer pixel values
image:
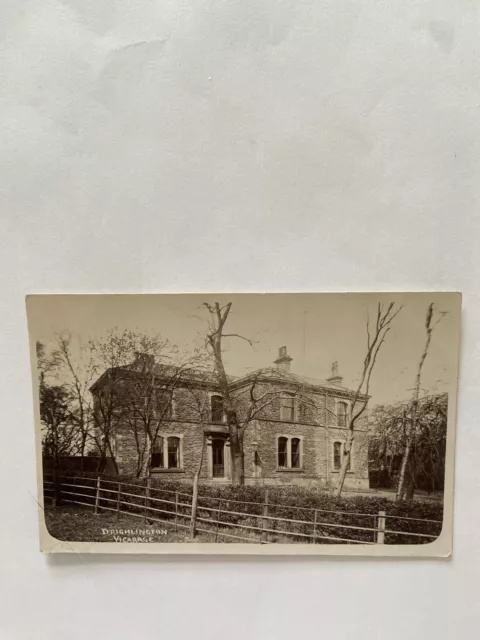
(195, 375)
(279, 375)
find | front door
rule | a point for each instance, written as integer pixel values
(218, 446)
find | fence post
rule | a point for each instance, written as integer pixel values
(74, 497)
(118, 502)
(147, 501)
(193, 521)
(97, 496)
(264, 536)
(176, 510)
(381, 528)
(57, 491)
(315, 528)
(218, 519)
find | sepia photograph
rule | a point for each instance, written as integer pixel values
(299, 423)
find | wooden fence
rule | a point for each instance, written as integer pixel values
(236, 520)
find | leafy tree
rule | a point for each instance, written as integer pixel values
(388, 440)
(59, 437)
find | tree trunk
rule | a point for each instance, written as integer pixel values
(56, 470)
(345, 464)
(236, 439)
(412, 422)
(82, 451)
(147, 458)
(193, 521)
(238, 474)
(112, 456)
(405, 459)
(196, 478)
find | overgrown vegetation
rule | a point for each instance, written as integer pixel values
(388, 441)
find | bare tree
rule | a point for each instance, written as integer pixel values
(128, 394)
(73, 365)
(149, 397)
(243, 407)
(197, 403)
(411, 418)
(136, 394)
(215, 336)
(375, 338)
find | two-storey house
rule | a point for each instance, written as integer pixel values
(294, 426)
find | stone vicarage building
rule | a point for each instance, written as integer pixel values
(296, 436)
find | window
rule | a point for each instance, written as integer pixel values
(167, 453)
(303, 411)
(282, 452)
(163, 406)
(295, 453)
(287, 408)
(157, 454)
(342, 410)
(289, 452)
(216, 405)
(173, 452)
(338, 453)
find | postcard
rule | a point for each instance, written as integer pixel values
(250, 423)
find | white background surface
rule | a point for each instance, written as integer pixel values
(182, 145)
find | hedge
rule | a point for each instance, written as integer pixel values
(292, 503)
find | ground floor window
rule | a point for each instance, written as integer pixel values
(282, 452)
(167, 453)
(338, 453)
(157, 454)
(289, 452)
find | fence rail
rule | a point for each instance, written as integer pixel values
(259, 524)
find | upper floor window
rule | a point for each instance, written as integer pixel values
(287, 408)
(217, 410)
(303, 411)
(163, 404)
(289, 452)
(167, 453)
(342, 412)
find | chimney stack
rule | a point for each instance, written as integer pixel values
(144, 361)
(335, 377)
(283, 361)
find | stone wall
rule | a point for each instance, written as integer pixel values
(315, 423)
(191, 435)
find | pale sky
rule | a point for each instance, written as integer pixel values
(316, 328)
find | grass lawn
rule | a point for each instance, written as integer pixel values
(390, 494)
(79, 524)
(76, 524)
